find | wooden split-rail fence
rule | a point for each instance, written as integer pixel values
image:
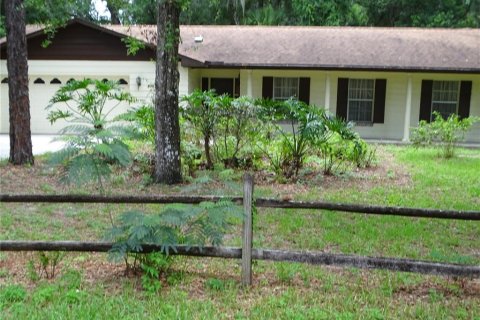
(246, 253)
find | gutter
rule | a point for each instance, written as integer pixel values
(412, 69)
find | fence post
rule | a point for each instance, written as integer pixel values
(247, 230)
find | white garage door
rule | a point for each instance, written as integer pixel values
(41, 90)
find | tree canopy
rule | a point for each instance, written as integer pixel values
(386, 13)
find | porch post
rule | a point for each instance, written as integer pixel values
(327, 91)
(249, 84)
(408, 111)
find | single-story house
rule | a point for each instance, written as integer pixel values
(383, 79)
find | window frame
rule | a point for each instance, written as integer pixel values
(363, 122)
(457, 102)
(236, 84)
(274, 85)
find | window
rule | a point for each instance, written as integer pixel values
(445, 96)
(285, 88)
(39, 81)
(361, 93)
(55, 81)
(122, 81)
(5, 80)
(230, 86)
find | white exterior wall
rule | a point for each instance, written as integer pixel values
(474, 134)
(190, 79)
(395, 99)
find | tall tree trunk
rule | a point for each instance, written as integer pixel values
(112, 8)
(167, 127)
(17, 66)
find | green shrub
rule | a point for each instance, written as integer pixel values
(296, 127)
(201, 111)
(301, 130)
(46, 265)
(228, 125)
(238, 127)
(202, 224)
(443, 133)
(191, 158)
(153, 265)
(143, 119)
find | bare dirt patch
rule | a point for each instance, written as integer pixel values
(42, 179)
(466, 288)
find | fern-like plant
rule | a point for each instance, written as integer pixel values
(203, 224)
(93, 137)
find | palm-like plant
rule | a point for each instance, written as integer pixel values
(306, 125)
(93, 137)
(308, 129)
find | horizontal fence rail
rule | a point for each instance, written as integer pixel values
(259, 202)
(315, 258)
(247, 253)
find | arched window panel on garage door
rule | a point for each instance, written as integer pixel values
(5, 80)
(55, 81)
(39, 81)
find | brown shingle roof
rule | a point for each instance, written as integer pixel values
(367, 48)
(335, 47)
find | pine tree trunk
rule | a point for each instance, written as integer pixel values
(167, 127)
(17, 66)
(114, 18)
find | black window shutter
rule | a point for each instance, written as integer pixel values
(267, 88)
(205, 84)
(426, 100)
(304, 90)
(464, 101)
(342, 98)
(379, 102)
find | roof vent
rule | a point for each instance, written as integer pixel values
(198, 39)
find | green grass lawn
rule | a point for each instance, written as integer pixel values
(87, 286)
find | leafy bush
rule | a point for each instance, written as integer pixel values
(229, 125)
(143, 118)
(443, 133)
(94, 139)
(47, 265)
(201, 111)
(304, 125)
(237, 127)
(191, 158)
(153, 266)
(203, 224)
(301, 130)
